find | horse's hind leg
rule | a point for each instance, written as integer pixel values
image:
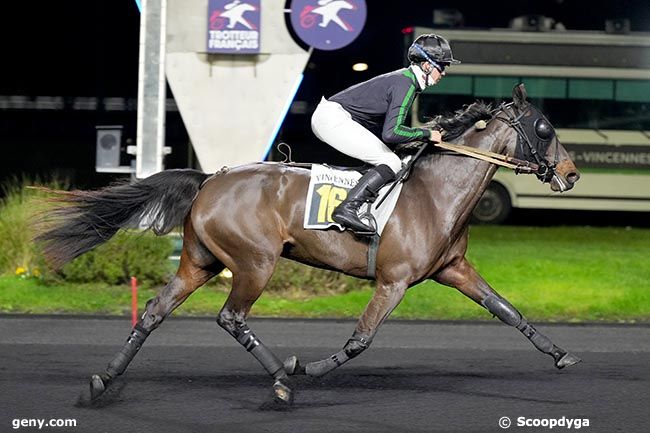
(464, 277)
(248, 283)
(197, 266)
(386, 297)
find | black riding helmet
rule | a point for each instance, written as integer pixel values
(436, 48)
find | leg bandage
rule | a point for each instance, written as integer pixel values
(123, 358)
(252, 344)
(509, 315)
(355, 345)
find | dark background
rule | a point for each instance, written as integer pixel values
(90, 48)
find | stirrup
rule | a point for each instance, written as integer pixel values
(371, 232)
(360, 233)
(372, 223)
(347, 226)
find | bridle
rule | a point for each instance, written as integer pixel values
(543, 131)
(546, 170)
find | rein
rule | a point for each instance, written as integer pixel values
(542, 168)
(518, 165)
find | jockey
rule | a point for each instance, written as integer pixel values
(359, 120)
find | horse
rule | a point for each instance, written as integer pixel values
(245, 218)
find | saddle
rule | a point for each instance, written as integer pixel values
(329, 186)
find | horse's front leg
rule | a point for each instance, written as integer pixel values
(386, 297)
(464, 277)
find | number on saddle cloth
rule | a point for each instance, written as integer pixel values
(329, 186)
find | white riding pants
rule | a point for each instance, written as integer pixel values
(333, 125)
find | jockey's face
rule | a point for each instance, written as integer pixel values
(434, 73)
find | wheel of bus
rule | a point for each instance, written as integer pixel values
(494, 206)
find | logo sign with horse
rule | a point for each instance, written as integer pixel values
(234, 26)
(328, 24)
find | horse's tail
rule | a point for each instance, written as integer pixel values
(87, 219)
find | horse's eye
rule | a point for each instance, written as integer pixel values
(543, 129)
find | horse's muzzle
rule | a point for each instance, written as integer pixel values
(566, 175)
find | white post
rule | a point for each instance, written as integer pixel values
(150, 138)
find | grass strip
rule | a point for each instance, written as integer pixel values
(568, 274)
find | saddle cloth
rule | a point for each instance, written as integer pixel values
(328, 187)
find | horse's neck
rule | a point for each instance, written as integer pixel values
(459, 180)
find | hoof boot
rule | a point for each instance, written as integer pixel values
(97, 386)
(567, 360)
(282, 393)
(292, 366)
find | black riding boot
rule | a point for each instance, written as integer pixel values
(364, 191)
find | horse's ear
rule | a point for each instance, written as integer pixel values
(519, 95)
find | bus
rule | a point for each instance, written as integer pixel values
(593, 86)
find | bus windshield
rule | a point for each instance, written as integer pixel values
(584, 103)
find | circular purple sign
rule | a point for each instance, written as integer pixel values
(328, 24)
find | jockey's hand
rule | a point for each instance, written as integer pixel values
(436, 136)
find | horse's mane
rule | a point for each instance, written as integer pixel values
(457, 123)
(453, 125)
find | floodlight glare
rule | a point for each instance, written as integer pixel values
(360, 67)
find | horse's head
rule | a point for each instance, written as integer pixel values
(529, 137)
(537, 142)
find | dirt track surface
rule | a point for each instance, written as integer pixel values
(417, 377)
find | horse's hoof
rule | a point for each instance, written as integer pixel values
(292, 366)
(567, 360)
(97, 386)
(282, 393)
(103, 391)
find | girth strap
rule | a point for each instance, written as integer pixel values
(373, 246)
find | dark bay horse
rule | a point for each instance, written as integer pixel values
(247, 217)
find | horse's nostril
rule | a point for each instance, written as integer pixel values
(572, 177)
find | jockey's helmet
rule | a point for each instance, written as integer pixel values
(433, 46)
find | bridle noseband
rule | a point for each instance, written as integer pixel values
(546, 169)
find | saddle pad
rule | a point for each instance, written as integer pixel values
(328, 187)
